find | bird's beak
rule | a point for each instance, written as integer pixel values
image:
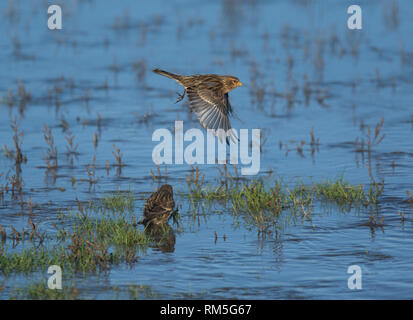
(239, 84)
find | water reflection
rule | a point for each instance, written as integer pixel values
(162, 236)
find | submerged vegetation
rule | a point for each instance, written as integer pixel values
(102, 234)
(105, 232)
(262, 204)
(39, 291)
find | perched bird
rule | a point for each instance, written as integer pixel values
(208, 98)
(159, 206)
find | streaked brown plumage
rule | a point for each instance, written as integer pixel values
(208, 98)
(159, 206)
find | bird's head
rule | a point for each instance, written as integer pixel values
(166, 188)
(230, 83)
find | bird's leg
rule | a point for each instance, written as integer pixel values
(180, 96)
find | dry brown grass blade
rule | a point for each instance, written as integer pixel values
(3, 233)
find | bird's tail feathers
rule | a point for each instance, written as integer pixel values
(174, 76)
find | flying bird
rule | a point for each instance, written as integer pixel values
(159, 206)
(208, 98)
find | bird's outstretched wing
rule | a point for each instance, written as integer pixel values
(212, 108)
